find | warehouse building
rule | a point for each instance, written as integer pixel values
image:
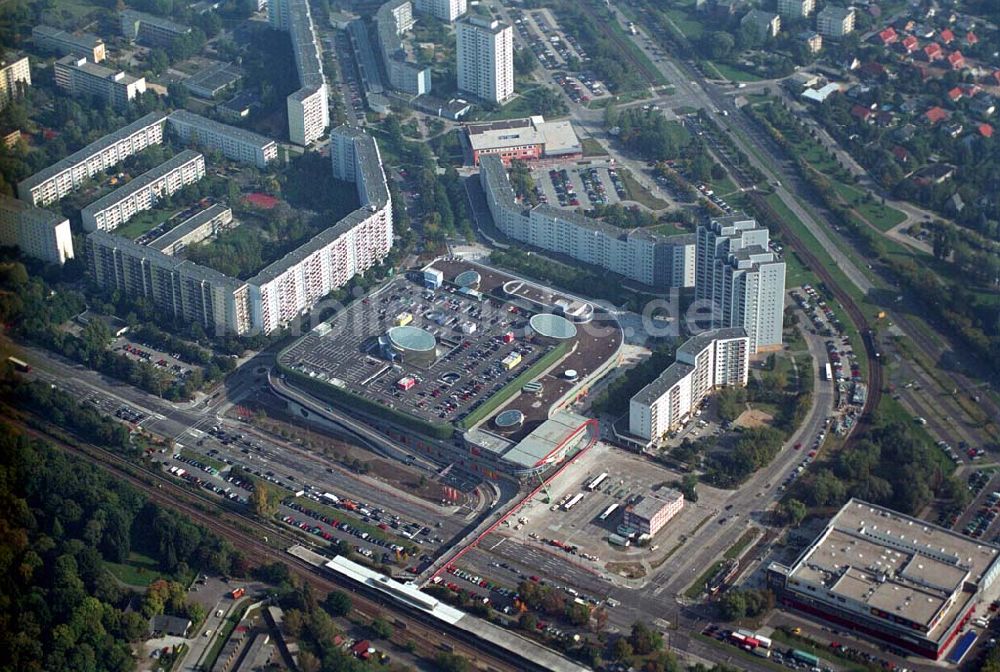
(51, 184)
(142, 193)
(898, 579)
(38, 233)
(648, 515)
(84, 45)
(713, 359)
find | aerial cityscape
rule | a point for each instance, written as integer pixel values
(500, 335)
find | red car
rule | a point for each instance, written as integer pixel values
(798, 445)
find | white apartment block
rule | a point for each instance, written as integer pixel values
(84, 45)
(740, 279)
(308, 107)
(80, 78)
(485, 58)
(297, 282)
(657, 261)
(835, 21)
(186, 290)
(39, 233)
(712, 359)
(767, 24)
(235, 143)
(446, 10)
(142, 193)
(51, 184)
(796, 9)
(392, 21)
(150, 30)
(13, 75)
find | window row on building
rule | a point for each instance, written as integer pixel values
(308, 107)
(235, 143)
(658, 261)
(38, 233)
(79, 77)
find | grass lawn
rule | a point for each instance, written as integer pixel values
(748, 538)
(698, 587)
(139, 570)
(593, 147)
(684, 110)
(723, 187)
(639, 193)
(891, 408)
(143, 222)
(686, 21)
(668, 229)
(735, 74)
(796, 274)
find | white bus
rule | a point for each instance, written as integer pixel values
(827, 372)
(573, 502)
(333, 499)
(596, 483)
(608, 511)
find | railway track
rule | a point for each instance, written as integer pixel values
(239, 530)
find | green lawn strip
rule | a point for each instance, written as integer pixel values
(681, 18)
(685, 110)
(639, 193)
(639, 55)
(355, 521)
(143, 222)
(222, 636)
(695, 590)
(723, 187)
(735, 74)
(593, 147)
(138, 570)
(505, 393)
(669, 229)
(741, 544)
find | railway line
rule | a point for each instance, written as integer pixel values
(234, 527)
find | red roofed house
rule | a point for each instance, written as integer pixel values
(932, 51)
(985, 130)
(955, 95)
(901, 154)
(956, 60)
(861, 113)
(947, 36)
(910, 44)
(888, 36)
(935, 115)
(970, 38)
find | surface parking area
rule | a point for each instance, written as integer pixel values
(143, 352)
(583, 187)
(474, 340)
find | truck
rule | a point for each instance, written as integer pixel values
(19, 364)
(805, 657)
(573, 502)
(762, 652)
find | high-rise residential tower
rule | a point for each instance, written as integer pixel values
(485, 58)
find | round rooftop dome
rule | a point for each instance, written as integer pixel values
(416, 345)
(469, 279)
(510, 419)
(552, 326)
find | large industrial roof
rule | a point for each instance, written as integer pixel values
(412, 338)
(545, 440)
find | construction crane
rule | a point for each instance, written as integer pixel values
(545, 489)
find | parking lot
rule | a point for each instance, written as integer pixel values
(579, 187)
(474, 339)
(144, 352)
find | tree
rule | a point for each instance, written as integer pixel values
(337, 603)
(451, 662)
(644, 639)
(622, 649)
(261, 501)
(794, 511)
(381, 628)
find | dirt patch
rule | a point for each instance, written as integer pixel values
(269, 416)
(754, 418)
(630, 570)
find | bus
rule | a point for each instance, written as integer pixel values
(596, 483)
(573, 502)
(20, 365)
(827, 372)
(608, 511)
(333, 499)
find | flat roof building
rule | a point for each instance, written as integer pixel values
(548, 444)
(80, 77)
(183, 289)
(524, 139)
(446, 10)
(194, 229)
(485, 52)
(38, 233)
(308, 108)
(712, 359)
(51, 184)
(648, 515)
(899, 579)
(114, 209)
(392, 21)
(741, 278)
(84, 45)
(213, 80)
(637, 254)
(149, 30)
(14, 74)
(235, 143)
